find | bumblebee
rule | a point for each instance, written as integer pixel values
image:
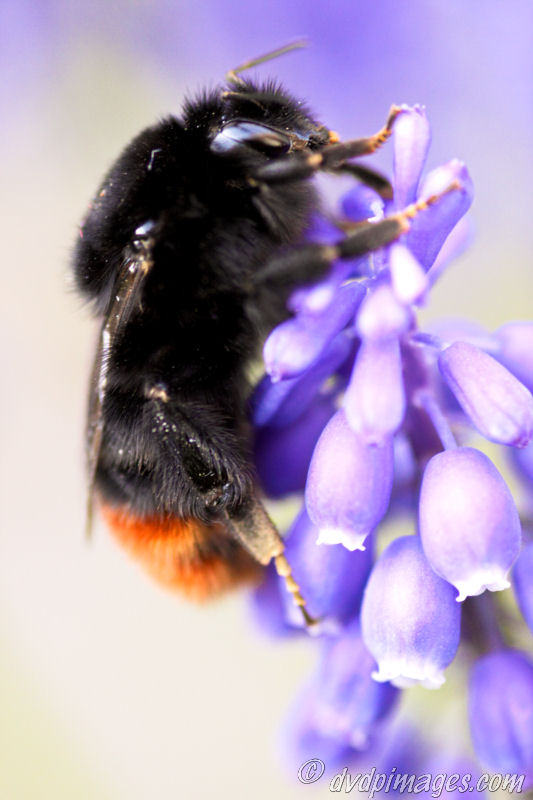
(188, 253)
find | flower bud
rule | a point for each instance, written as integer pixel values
(362, 203)
(296, 344)
(282, 454)
(469, 524)
(281, 403)
(430, 228)
(348, 702)
(301, 741)
(409, 280)
(499, 405)
(516, 350)
(375, 399)
(315, 299)
(349, 484)
(411, 140)
(501, 711)
(381, 315)
(331, 579)
(409, 617)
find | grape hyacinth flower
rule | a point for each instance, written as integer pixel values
(342, 460)
(367, 416)
(333, 586)
(497, 403)
(469, 524)
(501, 712)
(413, 632)
(343, 702)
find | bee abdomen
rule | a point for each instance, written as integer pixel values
(197, 560)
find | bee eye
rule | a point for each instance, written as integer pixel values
(252, 134)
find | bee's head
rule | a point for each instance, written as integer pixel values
(256, 121)
(265, 119)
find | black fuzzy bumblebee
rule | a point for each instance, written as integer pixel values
(188, 252)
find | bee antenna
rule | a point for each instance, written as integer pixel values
(233, 75)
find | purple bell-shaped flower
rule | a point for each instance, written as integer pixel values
(375, 398)
(515, 340)
(349, 484)
(469, 524)
(501, 712)
(430, 230)
(409, 617)
(282, 453)
(499, 405)
(331, 579)
(296, 344)
(348, 702)
(411, 140)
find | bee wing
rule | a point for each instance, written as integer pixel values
(126, 297)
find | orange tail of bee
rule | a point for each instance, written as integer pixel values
(198, 560)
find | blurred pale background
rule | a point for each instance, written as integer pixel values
(111, 688)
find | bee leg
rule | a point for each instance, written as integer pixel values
(370, 177)
(310, 261)
(254, 529)
(300, 165)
